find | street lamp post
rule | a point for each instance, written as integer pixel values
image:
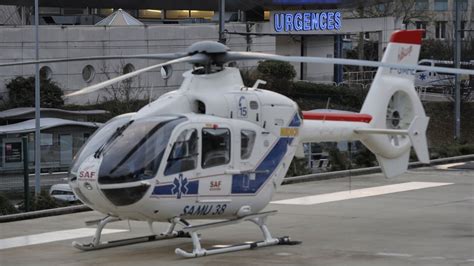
(37, 107)
(457, 59)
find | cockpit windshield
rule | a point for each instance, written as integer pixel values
(135, 153)
(99, 138)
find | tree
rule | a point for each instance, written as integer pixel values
(404, 11)
(278, 75)
(21, 93)
(123, 97)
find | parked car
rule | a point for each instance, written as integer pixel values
(62, 192)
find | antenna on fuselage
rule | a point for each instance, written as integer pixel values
(327, 108)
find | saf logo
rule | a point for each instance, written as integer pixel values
(215, 185)
(86, 175)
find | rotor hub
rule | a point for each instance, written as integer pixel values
(207, 47)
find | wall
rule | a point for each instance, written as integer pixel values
(17, 44)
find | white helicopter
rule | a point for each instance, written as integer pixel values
(216, 149)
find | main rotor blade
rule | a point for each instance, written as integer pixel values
(105, 57)
(236, 56)
(98, 86)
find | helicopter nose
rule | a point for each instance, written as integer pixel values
(84, 183)
(125, 194)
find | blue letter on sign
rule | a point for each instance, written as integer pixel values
(288, 22)
(278, 22)
(298, 21)
(337, 18)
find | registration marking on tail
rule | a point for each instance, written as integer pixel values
(359, 193)
(21, 241)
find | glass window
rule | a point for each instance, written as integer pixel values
(463, 4)
(50, 11)
(183, 156)
(149, 13)
(98, 139)
(134, 153)
(247, 140)
(215, 147)
(441, 5)
(440, 30)
(421, 25)
(45, 72)
(201, 14)
(421, 5)
(106, 11)
(177, 14)
(73, 11)
(463, 29)
(88, 73)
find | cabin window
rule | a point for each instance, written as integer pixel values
(247, 140)
(183, 156)
(215, 147)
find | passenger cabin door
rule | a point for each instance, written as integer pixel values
(182, 163)
(216, 160)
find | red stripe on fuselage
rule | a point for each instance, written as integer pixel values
(337, 117)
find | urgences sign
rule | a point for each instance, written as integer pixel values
(307, 21)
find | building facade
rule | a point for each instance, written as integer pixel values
(67, 31)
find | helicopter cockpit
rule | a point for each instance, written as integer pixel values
(129, 151)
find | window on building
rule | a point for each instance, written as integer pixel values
(463, 29)
(266, 15)
(150, 13)
(421, 25)
(177, 14)
(183, 14)
(183, 156)
(46, 72)
(464, 5)
(215, 147)
(50, 11)
(106, 11)
(88, 73)
(247, 140)
(441, 5)
(440, 30)
(421, 5)
(73, 11)
(201, 14)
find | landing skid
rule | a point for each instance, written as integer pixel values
(97, 244)
(259, 219)
(189, 231)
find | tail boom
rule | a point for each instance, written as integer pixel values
(392, 118)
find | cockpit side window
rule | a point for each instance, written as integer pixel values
(215, 147)
(247, 140)
(183, 155)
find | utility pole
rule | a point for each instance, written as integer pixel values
(222, 21)
(37, 108)
(457, 60)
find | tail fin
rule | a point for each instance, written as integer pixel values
(399, 120)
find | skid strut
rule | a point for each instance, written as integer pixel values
(97, 244)
(259, 219)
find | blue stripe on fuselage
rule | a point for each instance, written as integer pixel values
(241, 183)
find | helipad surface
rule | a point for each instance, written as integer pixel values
(425, 217)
